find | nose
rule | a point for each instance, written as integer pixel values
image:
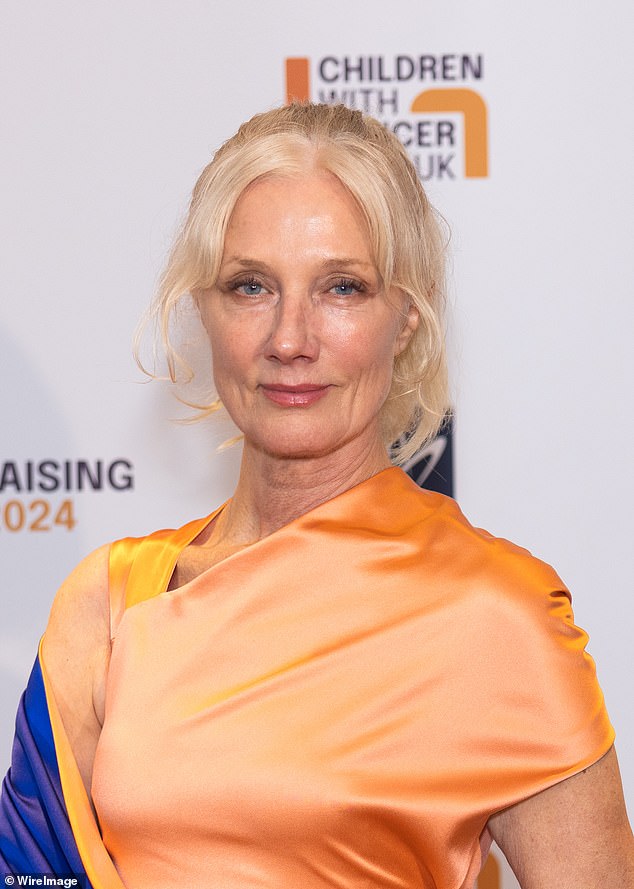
(293, 335)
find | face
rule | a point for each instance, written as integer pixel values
(302, 334)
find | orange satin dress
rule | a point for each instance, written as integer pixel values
(342, 704)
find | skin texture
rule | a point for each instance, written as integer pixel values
(574, 835)
(76, 650)
(299, 302)
(303, 338)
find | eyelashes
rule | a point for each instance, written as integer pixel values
(248, 286)
(251, 286)
(349, 285)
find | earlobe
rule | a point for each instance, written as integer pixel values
(409, 327)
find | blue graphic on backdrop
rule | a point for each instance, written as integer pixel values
(432, 466)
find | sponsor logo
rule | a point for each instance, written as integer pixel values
(429, 101)
(36, 491)
(432, 466)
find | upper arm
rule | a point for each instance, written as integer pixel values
(574, 834)
(76, 653)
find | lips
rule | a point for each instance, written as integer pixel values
(299, 395)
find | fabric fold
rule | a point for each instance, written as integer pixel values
(35, 832)
(47, 825)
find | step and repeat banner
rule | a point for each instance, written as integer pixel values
(518, 120)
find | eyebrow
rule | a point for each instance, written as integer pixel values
(337, 262)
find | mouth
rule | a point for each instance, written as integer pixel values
(300, 395)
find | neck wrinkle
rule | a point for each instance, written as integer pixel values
(272, 492)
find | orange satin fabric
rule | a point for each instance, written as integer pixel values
(342, 704)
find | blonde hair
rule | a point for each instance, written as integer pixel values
(405, 234)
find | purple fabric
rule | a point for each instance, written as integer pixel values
(35, 834)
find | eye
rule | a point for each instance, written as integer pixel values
(347, 287)
(248, 287)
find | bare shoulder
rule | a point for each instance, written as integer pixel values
(76, 652)
(81, 602)
(575, 833)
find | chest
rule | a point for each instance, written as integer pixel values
(324, 725)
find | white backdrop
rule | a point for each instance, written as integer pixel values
(111, 109)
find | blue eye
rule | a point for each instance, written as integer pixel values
(249, 287)
(346, 287)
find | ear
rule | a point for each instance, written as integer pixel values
(408, 328)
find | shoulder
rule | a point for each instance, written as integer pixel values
(91, 594)
(519, 660)
(76, 652)
(513, 603)
(81, 604)
(141, 567)
(79, 624)
(486, 563)
(76, 643)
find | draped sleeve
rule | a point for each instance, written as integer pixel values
(531, 710)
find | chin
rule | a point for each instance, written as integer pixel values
(295, 450)
(296, 445)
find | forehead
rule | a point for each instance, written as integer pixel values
(301, 209)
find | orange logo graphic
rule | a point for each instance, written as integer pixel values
(297, 80)
(472, 106)
(433, 101)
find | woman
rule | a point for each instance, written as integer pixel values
(333, 679)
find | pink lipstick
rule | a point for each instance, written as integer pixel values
(301, 395)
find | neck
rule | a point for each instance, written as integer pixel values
(273, 491)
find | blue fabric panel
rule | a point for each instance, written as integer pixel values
(35, 833)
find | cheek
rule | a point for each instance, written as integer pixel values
(226, 343)
(225, 362)
(235, 342)
(365, 339)
(370, 359)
